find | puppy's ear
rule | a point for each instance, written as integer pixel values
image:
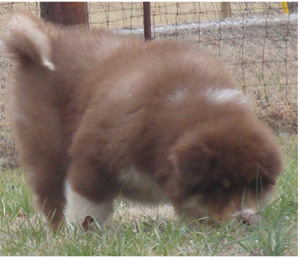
(198, 169)
(191, 165)
(26, 39)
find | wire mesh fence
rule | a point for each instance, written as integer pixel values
(257, 42)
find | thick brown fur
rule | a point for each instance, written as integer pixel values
(89, 104)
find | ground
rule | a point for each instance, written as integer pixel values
(138, 230)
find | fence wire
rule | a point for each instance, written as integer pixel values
(257, 42)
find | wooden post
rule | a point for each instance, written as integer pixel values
(65, 13)
(147, 20)
(226, 9)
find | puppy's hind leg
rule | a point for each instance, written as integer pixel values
(48, 190)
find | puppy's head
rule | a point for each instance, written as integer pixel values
(225, 169)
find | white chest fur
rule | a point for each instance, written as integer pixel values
(138, 186)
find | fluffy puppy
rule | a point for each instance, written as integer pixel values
(97, 115)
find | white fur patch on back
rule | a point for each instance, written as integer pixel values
(178, 95)
(78, 208)
(223, 96)
(213, 95)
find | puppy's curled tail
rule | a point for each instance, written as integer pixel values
(25, 39)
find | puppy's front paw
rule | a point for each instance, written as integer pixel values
(87, 223)
(80, 211)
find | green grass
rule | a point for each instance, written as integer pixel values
(23, 232)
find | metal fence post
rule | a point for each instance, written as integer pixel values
(147, 20)
(65, 13)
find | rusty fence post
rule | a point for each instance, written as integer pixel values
(147, 20)
(65, 13)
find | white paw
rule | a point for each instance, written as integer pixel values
(80, 211)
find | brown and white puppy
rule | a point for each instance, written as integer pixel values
(97, 115)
